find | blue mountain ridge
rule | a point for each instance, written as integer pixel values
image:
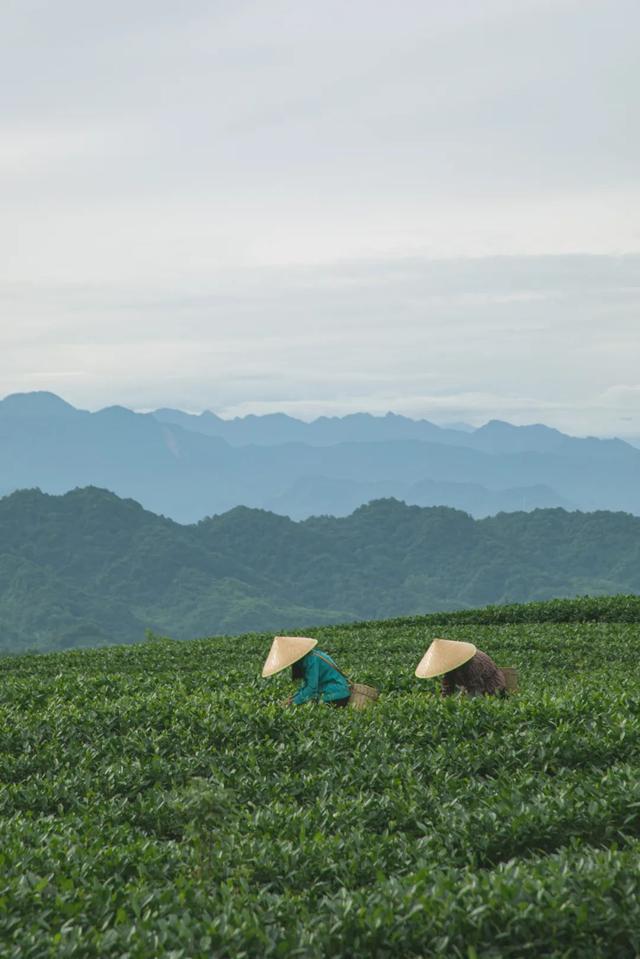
(330, 465)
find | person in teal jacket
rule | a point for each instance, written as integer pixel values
(321, 679)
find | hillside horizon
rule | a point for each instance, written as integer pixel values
(49, 402)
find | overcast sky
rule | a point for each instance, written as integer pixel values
(320, 206)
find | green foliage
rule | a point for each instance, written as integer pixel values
(89, 569)
(157, 801)
(585, 609)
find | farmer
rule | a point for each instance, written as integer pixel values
(322, 680)
(463, 668)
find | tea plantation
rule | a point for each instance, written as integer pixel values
(156, 800)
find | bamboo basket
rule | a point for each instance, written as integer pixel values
(510, 674)
(362, 696)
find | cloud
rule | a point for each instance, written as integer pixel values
(625, 399)
(246, 205)
(243, 133)
(512, 337)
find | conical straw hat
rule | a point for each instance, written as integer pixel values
(286, 650)
(442, 656)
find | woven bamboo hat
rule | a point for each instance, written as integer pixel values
(286, 650)
(442, 656)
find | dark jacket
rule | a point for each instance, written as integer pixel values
(479, 676)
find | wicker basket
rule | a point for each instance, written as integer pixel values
(510, 674)
(362, 696)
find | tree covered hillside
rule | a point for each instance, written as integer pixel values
(89, 568)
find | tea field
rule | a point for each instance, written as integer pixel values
(157, 801)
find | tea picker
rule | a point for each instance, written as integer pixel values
(322, 679)
(463, 668)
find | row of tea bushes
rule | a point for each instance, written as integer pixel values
(156, 800)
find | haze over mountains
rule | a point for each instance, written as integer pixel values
(188, 467)
(89, 568)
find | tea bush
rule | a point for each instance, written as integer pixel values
(156, 800)
(584, 609)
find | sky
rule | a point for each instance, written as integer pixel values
(324, 207)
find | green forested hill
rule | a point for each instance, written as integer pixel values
(90, 568)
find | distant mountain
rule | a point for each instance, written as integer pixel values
(89, 568)
(36, 406)
(465, 427)
(277, 428)
(320, 495)
(187, 474)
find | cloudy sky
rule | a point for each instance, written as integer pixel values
(320, 207)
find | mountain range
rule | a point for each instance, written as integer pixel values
(187, 467)
(89, 568)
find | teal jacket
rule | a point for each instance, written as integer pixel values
(321, 680)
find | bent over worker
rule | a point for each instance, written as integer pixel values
(321, 678)
(463, 668)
